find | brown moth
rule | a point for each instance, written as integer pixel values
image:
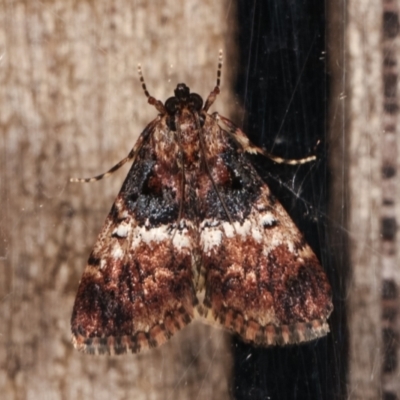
(196, 233)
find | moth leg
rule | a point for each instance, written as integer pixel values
(131, 156)
(249, 147)
(109, 172)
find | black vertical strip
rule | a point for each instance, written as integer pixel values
(282, 84)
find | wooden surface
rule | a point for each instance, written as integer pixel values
(365, 103)
(356, 129)
(390, 206)
(72, 105)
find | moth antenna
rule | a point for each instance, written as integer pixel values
(215, 92)
(219, 67)
(146, 92)
(151, 100)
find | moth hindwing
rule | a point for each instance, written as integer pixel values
(195, 232)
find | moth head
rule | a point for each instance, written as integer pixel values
(183, 98)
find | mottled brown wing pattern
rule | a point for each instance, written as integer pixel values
(194, 230)
(261, 280)
(137, 288)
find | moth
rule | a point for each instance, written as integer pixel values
(196, 233)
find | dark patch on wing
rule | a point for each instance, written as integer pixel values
(304, 293)
(240, 187)
(93, 261)
(123, 296)
(98, 312)
(145, 193)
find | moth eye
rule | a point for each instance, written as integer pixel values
(196, 101)
(171, 105)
